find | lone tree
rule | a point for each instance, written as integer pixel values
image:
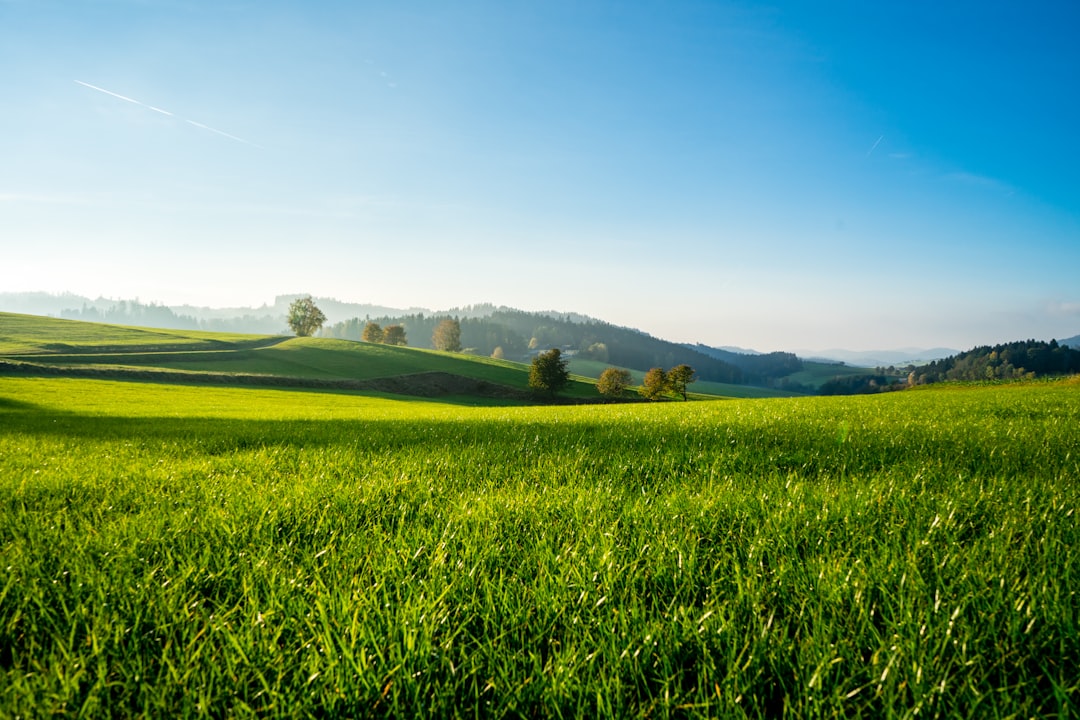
(655, 384)
(447, 335)
(373, 333)
(613, 382)
(305, 318)
(678, 378)
(394, 335)
(548, 374)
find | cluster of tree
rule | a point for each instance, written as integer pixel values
(389, 335)
(1029, 358)
(658, 382)
(862, 384)
(475, 335)
(894, 371)
(133, 312)
(517, 335)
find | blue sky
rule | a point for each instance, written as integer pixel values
(773, 176)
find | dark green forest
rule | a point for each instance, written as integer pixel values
(1025, 359)
(1022, 359)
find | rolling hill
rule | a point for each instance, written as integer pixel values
(56, 347)
(37, 345)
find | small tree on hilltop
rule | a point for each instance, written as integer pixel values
(679, 377)
(394, 335)
(613, 382)
(305, 318)
(447, 335)
(655, 384)
(548, 373)
(373, 333)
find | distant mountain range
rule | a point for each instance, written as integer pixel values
(270, 319)
(878, 358)
(897, 358)
(263, 319)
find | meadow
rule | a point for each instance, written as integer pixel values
(36, 345)
(177, 550)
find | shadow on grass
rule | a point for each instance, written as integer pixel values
(10, 404)
(432, 385)
(220, 436)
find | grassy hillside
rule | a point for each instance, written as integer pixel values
(174, 550)
(194, 356)
(36, 335)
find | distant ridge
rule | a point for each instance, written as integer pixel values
(269, 318)
(878, 358)
(266, 318)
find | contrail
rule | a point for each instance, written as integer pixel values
(874, 147)
(166, 112)
(219, 132)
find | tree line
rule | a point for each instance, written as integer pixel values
(549, 374)
(520, 335)
(1022, 359)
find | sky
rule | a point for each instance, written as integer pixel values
(774, 176)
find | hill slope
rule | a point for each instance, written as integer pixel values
(64, 347)
(517, 334)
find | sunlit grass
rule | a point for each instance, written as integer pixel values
(114, 351)
(217, 551)
(33, 334)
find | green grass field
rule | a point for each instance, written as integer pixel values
(249, 552)
(111, 350)
(35, 335)
(115, 351)
(214, 551)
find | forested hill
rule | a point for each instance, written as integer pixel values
(514, 333)
(1029, 358)
(759, 368)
